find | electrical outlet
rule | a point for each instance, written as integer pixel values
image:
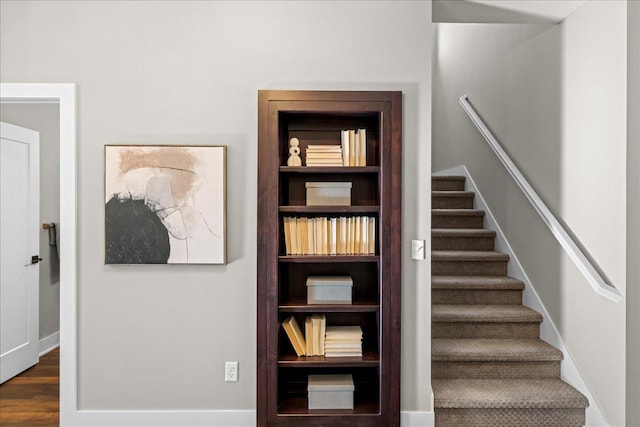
(231, 371)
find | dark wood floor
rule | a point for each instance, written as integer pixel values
(31, 398)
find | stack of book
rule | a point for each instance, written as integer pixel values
(324, 155)
(343, 341)
(330, 236)
(314, 330)
(354, 147)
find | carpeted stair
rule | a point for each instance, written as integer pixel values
(489, 366)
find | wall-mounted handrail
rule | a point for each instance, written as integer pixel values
(595, 279)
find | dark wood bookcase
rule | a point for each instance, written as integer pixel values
(317, 117)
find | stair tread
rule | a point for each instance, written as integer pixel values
(462, 232)
(483, 313)
(452, 193)
(476, 282)
(513, 393)
(469, 256)
(457, 212)
(493, 350)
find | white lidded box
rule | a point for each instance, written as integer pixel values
(329, 289)
(330, 391)
(328, 193)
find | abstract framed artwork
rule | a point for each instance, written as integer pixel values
(165, 204)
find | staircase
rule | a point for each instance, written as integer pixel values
(489, 366)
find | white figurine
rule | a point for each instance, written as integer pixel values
(294, 158)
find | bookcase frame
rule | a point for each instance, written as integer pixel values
(280, 373)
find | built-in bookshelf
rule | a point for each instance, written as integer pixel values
(325, 119)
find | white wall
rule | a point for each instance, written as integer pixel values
(633, 213)
(555, 97)
(44, 118)
(594, 182)
(156, 337)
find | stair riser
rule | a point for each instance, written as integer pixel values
(495, 370)
(537, 417)
(462, 243)
(452, 202)
(447, 185)
(469, 268)
(515, 330)
(450, 221)
(480, 296)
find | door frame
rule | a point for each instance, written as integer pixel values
(63, 94)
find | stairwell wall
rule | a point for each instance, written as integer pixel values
(633, 214)
(555, 97)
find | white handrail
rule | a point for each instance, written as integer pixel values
(595, 279)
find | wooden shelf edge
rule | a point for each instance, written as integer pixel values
(328, 258)
(329, 209)
(297, 406)
(302, 307)
(368, 359)
(330, 169)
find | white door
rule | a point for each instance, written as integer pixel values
(19, 273)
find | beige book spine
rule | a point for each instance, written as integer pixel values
(308, 335)
(363, 146)
(345, 147)
(343, 235)
(357, 235)
(364, 236)
(352, 154)
(295, 335)
(316, 322)
(294, 238)
(323, 328)
(287, 235)
(372, 235)
(327, 236)
(356, 151)
(334, 236)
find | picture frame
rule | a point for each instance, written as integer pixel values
(165, 204)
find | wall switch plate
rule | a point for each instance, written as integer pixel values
(417, 249)
(231, 371)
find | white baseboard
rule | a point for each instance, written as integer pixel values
(162, 419)
(548, 330)
(200, 419)
(417, 419)
(49, 343)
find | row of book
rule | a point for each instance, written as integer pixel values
(324, 155)
(322, 340)
(314, 331)
(354, 147)
(330, 236)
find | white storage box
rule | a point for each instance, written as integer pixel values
(329, 289)
(328, 193)
(330, 391)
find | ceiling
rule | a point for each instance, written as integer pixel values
(504, 11)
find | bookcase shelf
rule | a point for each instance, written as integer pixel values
(298, 305)
(328, 258)
(318, 118)
(330, 169)
(291, 360)
(297, 406)
(329, 209)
